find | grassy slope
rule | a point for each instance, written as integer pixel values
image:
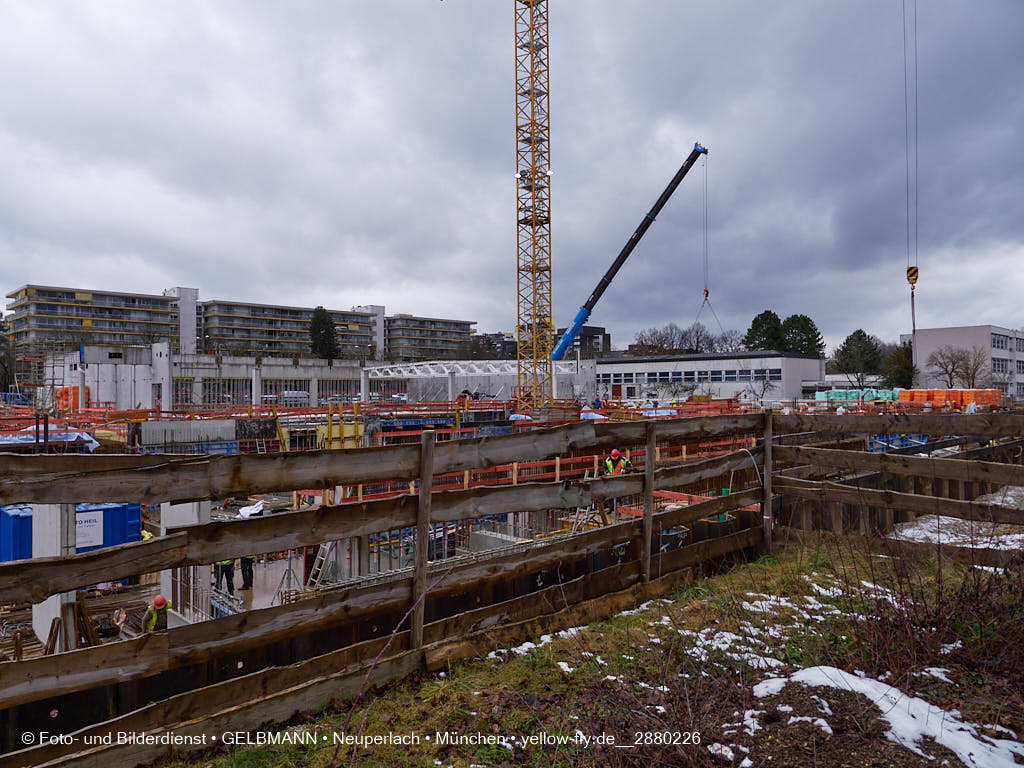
(662, 683)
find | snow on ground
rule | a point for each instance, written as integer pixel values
(779, 619)
(910, 719)
(935, 529)
(939, 529)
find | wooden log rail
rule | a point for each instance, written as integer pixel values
(907, 502)
(275, 694)
(139, 479)
(34, 580)
(946, 469)
(44, 677)
(982, 424)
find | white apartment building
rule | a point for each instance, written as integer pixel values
(1003, 350)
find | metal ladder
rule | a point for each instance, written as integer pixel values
(261, 446)
(317, 571)
(584, 515)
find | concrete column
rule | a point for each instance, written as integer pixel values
(197, 390)
(175, 516)
(53, 534)
(554, 383)
(257, 387)
(81, 393)
(364, 555)
(451, 385)
(364, 385)
(314, 391)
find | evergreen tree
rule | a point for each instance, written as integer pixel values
(898, 367)
(859, 356)
(801, 335)
(765, 332)
(323, 341)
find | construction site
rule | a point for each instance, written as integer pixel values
(197, 540)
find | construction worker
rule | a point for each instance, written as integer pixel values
(246, 562)
(155, 618)
(617, 464)
(226, 569)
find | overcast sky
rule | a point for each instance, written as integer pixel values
(358, 152)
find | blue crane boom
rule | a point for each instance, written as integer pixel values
(584, 313)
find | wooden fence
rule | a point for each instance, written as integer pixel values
(239, 671)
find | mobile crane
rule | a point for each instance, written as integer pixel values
(584, 313)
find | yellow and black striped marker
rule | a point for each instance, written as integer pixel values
(912, 275)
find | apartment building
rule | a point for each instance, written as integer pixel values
(411, 338)
(49, 315)
(49, 319)
(998, 355)
(244, 328)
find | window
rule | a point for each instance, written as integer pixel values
(688, 376)
(1000, 365)
(775, 374)
(730, 375)
(627, 378)
(760, 374)
(1020, 345)
(743, 375)
(1020, 366)
(677, 376)
(616, 378)
(716, 375)
(663, 376)
(703, 376)
(999, 341)
(1020, 388)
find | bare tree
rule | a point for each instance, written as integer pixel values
(652, 341)
(945, 363)
(698, 339)
(729, 341)
(974, 367)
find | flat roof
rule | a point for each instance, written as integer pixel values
(282, 306)
(747, 355)
(14, 294)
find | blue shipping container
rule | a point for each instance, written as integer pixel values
(15, 532)
(121, 523)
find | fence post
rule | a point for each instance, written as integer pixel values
(766, 505)
(419, 579)
(645, 547)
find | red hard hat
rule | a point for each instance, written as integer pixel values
(159, 602)
(615, 453)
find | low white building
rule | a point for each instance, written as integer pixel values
(1001, 351)
(751, 376)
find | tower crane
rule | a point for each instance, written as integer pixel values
(534, 323)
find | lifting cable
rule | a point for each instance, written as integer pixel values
(707, 295)
(912, 171)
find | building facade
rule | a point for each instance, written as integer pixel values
(997, 356)
(244, 328)
(51, 315)
(591, 341)
(49, 319)
(411, 338)
(761, 376)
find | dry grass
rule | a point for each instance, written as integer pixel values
(646, 671)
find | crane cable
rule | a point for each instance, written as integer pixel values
(912, 268)
(707, 295)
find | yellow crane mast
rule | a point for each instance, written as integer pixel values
(535, 327)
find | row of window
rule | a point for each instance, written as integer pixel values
(1002, 341)
(756, 374)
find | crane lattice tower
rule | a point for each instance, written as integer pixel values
(535, 327)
